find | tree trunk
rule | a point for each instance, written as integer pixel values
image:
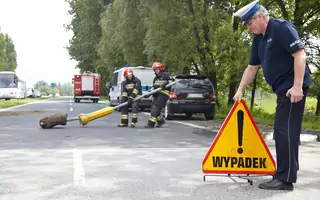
(233, 76)
(298, 17)
(232, 88)
(253, 92)
(206, 57)
(195, 66)
(283, 9)
(213, 78)
(318, 105)
(185, 70)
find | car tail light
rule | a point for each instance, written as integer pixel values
(212, 97)
(173, 96)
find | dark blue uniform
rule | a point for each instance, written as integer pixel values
(159, 98)
(130, 90)
(273, 51)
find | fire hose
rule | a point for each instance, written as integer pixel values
(62, 119)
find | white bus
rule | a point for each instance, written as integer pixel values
(145, 74)
(11, 86)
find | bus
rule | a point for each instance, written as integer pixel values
(11, 86)
(145, 74)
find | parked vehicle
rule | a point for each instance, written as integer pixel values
(32, 93)
(12, 86)
(87, 86)
(191, 94)
(146, 76)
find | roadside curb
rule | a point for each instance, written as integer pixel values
(103, 102)
(304, 137)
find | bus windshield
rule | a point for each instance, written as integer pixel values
(146, 76)
(7, 81)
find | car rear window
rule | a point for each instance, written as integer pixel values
(193, 83)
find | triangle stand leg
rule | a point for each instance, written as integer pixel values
(247, 177)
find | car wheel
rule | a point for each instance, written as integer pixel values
(167, 114)
(209, 116)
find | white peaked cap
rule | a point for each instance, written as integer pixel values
(246, 12)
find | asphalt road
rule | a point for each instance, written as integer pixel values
(102, 161)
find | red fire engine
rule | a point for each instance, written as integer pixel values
(87, 86)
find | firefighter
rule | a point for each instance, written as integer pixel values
(160, 98)
(131, 88)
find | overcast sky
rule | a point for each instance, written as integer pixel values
(36, 28)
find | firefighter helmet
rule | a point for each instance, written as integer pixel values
(127, 72)
(157, 65)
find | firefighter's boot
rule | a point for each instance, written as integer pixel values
(151, 122)
(122, 125)
(148, 126)
(134, 120)
(160, 122)
(133, 125)
(124, 120)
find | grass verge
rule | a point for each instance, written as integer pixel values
(16, 102)
(264, 112)
(104, 98)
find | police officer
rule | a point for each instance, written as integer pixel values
(131, 88)
(162, 79)
(278, 49)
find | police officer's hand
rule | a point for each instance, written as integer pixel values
(295, 94)
(238, 96)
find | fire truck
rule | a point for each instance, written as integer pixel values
(86, 86)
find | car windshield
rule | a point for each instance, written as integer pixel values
(146, 76)
(7, 81)
(193, 83)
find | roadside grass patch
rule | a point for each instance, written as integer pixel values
(264, 112)
(16, 102)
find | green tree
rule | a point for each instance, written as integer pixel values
(87, 32)
(83, 47)
(11, 54)
(39, 84)
(3, 56)
(193, 36)
(66, 89)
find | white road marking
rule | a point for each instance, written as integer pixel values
(148, 114)
(194, 125)
(71, 109)
(188, 124)
(78, 171)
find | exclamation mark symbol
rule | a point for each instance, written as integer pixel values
(240, 130)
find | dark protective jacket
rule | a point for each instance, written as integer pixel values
(131, 89)
(160, 81)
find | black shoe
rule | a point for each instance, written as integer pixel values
(276, 184)
(160, 123)
(122, 125)
(148, 126)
